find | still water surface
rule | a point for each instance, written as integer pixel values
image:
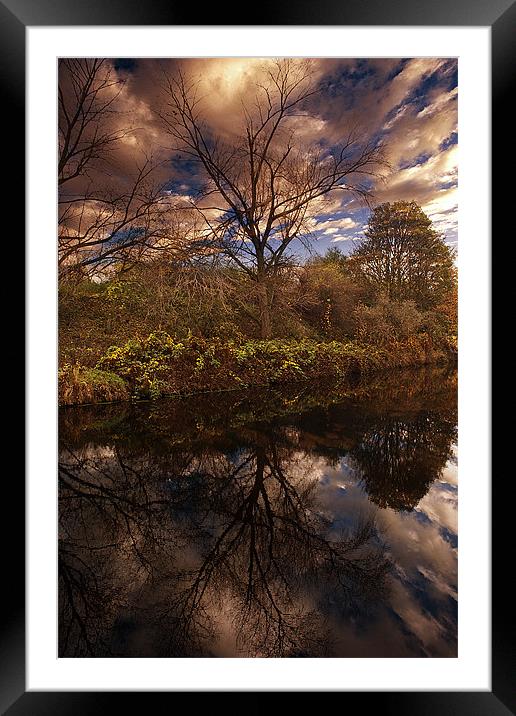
(292, 523)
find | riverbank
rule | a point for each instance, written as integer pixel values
(206, 416)
(160, 365)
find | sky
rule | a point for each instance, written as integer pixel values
(410, 104)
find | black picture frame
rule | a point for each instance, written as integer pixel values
(15, 16)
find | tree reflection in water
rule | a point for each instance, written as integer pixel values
(399, 458)
(173, 543)
(184, 542)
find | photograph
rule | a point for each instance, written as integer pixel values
(257, 357)
(258, 261)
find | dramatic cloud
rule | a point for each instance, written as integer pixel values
(408, 104)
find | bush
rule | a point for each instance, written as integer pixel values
(327, 298)
(142, 362)
(388, 322)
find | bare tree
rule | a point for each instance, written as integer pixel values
(116, 223)
(105, 217)
(88, 90)
(261, 185)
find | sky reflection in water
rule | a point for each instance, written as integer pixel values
(262, 524)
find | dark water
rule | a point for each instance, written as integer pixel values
(292, 523)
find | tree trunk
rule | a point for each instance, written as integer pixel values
(265, 311)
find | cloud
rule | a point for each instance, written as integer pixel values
(433, 185)
(337, 239)
(430, 175)
(406, 81)
(409, 104)
(332, 226)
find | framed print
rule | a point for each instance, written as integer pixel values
(265, 234)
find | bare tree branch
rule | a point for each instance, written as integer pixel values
(266, 183)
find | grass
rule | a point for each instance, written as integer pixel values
(79, 385)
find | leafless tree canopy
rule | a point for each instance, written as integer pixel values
(262, 184)
(104, 219)
(88, 90)
(118, 224)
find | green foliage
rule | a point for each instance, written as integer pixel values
(404, 257)
(164, 365)
(161, 364)
(328, 296)
(401, 328)
(124, 294)
(142, 362)
(333, 257)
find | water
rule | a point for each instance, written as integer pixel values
(290, 523)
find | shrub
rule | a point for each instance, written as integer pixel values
(388, 321)
(142, 362)
(327, 297)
